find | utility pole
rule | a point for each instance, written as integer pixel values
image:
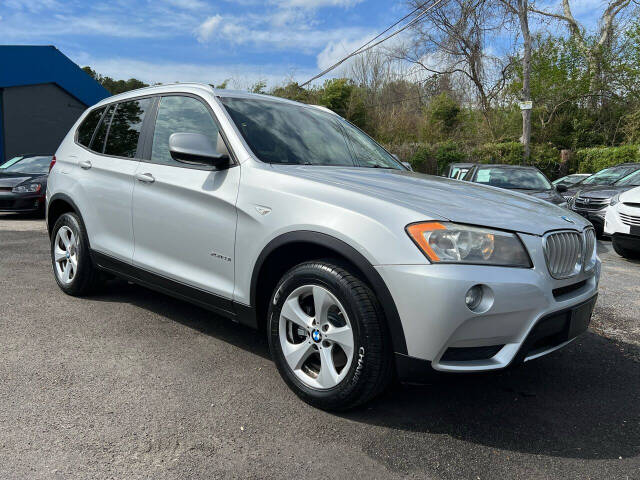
(526, 105)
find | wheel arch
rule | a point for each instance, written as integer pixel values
(289, 249)
(60, 204)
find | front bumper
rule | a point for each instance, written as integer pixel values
(440, 329)
(613, 223)
(21, 202)
(596, 217)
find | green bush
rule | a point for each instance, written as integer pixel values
(446, 153)
(434, 159)
(505, 152)
(422, 159)
(592, 160)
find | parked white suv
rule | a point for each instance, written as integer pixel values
(622, 222)
(286, 217)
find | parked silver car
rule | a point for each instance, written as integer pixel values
(286, 217)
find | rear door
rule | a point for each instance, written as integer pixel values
(106, 172)
(184, 216)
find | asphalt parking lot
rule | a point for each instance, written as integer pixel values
(134, 384)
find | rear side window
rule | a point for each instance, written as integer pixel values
(125, 128)
(88, 126)
(98, 140)
(178, 114)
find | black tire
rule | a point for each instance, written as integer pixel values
(87, 277)
(624, 252)
(371, 369)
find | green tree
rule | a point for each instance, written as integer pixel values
(115, 86)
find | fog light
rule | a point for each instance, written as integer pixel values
(473, 297)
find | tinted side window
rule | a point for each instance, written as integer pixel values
(88, 126)
(180, 115)
(125, 128)
(98, 140)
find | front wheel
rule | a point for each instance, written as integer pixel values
(624, 252)
(327, 336)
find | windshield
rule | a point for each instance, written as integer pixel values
(8, 163)
(279, 132)
(525, 179)
(632, 180)
(609, 176)
(569, 180)
(28, 165)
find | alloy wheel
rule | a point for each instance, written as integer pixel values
(316, 337)
(66, 255)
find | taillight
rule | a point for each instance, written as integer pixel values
(53, 162)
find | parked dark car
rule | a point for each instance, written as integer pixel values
(23, 183)
(607, 176)
(458, 170)
(525, 179)
(592, 202)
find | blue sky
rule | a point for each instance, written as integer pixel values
(209, 40)
(200, 40)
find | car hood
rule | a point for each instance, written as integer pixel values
(632, 195)
(445, 199)
(550, 195)
(11, 180)
(603, 191)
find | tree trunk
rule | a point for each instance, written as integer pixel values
(523, 15)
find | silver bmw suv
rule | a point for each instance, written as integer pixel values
(285, 217)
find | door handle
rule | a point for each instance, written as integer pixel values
(145, 177)
(85, 164)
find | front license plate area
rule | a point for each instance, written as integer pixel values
(580, 318)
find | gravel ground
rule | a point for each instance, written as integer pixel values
(134, 384)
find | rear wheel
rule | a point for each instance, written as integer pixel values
(326, 334)
(623, 251)
(73, 268)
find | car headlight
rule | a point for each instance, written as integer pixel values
(445, 242)
(29, 188)
(564, 204)
(615, 199)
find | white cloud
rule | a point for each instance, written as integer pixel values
(208, 28)
(188, 4)
(312, 4)
(260, 32)
(241, 75)
(336, 50)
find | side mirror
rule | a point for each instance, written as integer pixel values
(196, 149)
(408, 165)
(561, 188)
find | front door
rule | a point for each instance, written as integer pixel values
(184, 216)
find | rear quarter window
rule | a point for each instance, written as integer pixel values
(88, 126)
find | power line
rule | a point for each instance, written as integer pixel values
(368, 46)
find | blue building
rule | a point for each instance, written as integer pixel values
(42, 94)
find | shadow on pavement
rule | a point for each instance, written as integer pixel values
(187, 314)
(580, 402)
